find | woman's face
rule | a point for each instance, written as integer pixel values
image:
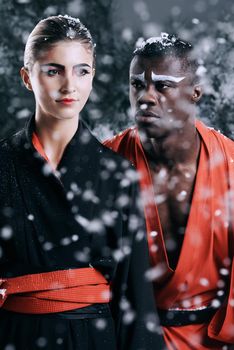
(61, 79)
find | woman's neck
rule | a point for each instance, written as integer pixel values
(54, 135)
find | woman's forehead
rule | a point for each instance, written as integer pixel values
(67, 51)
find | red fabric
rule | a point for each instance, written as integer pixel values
(207, 251)
(54, 291)
(38, 146)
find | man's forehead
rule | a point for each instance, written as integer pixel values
(167, 64)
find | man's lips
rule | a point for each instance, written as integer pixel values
(143, 115)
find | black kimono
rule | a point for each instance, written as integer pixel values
(86, 214)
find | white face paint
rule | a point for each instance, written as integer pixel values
(156, 77)
(140, 77)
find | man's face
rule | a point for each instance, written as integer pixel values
(161, 95)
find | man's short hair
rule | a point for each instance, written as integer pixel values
(168, 45)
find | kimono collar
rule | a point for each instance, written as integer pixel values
(82, 148)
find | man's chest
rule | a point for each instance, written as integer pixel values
(173, 192)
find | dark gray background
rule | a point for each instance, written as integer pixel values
(129, 12)
(116, 25)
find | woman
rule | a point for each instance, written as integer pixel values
(71, 230)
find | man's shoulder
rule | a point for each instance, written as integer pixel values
(229, 143)
(122, 139)
(215, 136)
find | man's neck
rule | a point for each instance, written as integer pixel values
(180, 148)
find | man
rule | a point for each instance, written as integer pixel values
(187, 184)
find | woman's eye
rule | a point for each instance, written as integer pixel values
(82, 72)
(52, 72)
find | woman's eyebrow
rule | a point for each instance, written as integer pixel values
(52, 64)
(62, 66)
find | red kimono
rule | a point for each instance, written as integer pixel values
(205, 269)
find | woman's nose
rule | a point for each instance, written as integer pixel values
(68, 85)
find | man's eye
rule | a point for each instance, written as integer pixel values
(162, 86)
(137, 84)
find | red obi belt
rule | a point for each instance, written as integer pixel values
(55, 291)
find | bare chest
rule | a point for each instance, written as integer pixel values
(173, 192)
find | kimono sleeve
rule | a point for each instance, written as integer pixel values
(133, 305)
(222, 324)
(7, 197)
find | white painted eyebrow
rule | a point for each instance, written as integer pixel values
(156, 77)
(140, 77)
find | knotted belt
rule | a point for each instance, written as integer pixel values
(55, 291)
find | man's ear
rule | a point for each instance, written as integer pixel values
(197, 93)
(25, 78)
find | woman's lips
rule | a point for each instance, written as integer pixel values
(67, 101)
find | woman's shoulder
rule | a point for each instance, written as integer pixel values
(112, 156)
(106, 154)
(5, 144)
(11, 143)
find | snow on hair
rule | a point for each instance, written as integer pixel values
(51, 30)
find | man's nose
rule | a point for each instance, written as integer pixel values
(68, 85)
(149, 96)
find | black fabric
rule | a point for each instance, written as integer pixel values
(92, 311)
(85, 215)
(176, 318)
